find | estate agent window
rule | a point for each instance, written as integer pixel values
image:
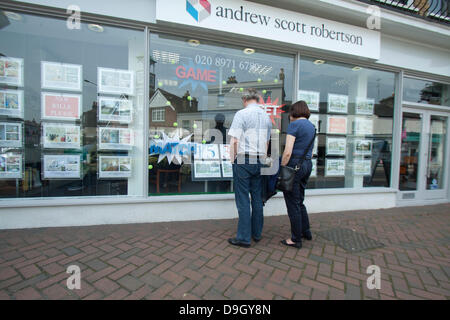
(71, 106)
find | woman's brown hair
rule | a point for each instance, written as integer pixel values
(300, 110)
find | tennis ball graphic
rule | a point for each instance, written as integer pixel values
(150, 166)
(224, 82)
(160, 84)
(259, 79)
(189, 98)
(278, 131)
(241, 89)
(175, 124)
(204, 141)
(233, 70)
(194, 126)
(168, 103)
(264, 91)
(156, 136)
(275, 80)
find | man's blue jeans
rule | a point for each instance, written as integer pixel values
(247, 180)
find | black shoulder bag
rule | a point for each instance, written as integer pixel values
(285, 181)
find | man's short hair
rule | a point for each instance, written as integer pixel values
(250, 94)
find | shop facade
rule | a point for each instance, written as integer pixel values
(122, 116)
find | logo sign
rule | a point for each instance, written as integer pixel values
(261, 21)
(198, 9)
(272, 109)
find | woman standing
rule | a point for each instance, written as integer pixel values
(300, 137)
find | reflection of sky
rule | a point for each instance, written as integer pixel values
(165, 70)
(336, 78)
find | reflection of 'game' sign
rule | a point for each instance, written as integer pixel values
(197, 74)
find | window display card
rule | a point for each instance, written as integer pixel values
(316, 146)
(62, 167)
(59, 106)
(365, 106)
(207, 169)
(362, 167)
(61, 136)
(314, 168)
(114, 167)
(10, 135)
(337, 103)
(115, 110)
(363, 147)
(11, 71)
(227, 169)
(336, 125)
(312, 99)
(363, 126)
(115, 81)
(207, 152)
(336, 146)
(335, 167)
(11, 103)
(61, 76)
(10, 166)
(225, 151)
(314, 119)
(115, 138)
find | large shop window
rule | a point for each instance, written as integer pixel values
(195, 91)
(71, 109)
(423, 91)
(352, 108)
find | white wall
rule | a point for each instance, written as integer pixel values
(124, 213)
(139, 10)
(415, 56)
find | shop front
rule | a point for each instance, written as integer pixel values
(122, 117)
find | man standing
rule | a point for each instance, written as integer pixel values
(250, 135)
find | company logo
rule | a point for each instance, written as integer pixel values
(198, 9)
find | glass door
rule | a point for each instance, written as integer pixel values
(424, 155)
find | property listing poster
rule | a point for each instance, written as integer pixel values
(363, 126)
(362, 147)
(61, 136)
(58, 106)
(337, 103)
(312, 99)
(362, 167)
(207, 169)
(115, 109)
(115, 138)
(10, 166)
(61, 167)
(114, 167)
(115, 81)
(336, 146)
(365, 106)
(11, 103)
(11, 71)
(335, 167)
(11, 135)
(314, 168)
(61, 76)
(336, 125)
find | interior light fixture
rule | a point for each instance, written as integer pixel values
(249, 51)
(194, 42)
(13, 16)
(318, 62)
(95, 27)
(356, 68)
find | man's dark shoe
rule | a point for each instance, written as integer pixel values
(238, 243)
(257, 240)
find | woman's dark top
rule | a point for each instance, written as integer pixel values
(303, 131)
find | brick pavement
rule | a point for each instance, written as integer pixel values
(192, 260)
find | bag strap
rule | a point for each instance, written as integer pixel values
(300, 162)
